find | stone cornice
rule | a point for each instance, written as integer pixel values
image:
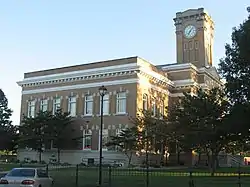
(155, 77)
(78, 76)
(187, 66)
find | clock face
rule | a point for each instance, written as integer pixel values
(190, 31)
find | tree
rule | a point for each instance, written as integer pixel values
(201, 122)
(126, 141)
(9, 138)
(5, 112)
(235, 66)
(7, 130)
(235, 69)
(154, 133)
(57, 130)
(34, 131)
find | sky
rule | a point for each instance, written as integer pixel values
(42, 34)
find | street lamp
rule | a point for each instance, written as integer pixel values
(102, 92)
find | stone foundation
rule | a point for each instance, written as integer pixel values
(74, 156)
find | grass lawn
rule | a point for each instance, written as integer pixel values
(9, 166)
(87, 177)
(132, 178)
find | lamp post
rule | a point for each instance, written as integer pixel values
(102, 92)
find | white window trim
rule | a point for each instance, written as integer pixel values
(121, 98)
(85, 133)
(31, 104)
(162, 109)
(85, 105)
(145, 100)
(44, 102)
(52, 145)
(154, 108)
(55, 103)
(99, 137)
(70, 102)
(108, 102)
(118, 131)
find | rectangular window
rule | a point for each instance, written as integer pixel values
(121, 103)
(44, 105)
(72, 106)
(161, 109)
(105, 139)
(88, 105)
(31, 109)
(56, 104)
(105, 104)
(145, 102)
(87, 139)
(154, 109)
(118, 133)
(53, 144)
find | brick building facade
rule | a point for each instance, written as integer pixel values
(132, 83)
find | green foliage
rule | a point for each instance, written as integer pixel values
(8, 132)
(45, 129)
(34, 131)
(126, 141)
(57, 130)
(201, 121)
(235, 66)
(235, 69)
(5, 112)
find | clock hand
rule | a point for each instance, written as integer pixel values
(190, 31)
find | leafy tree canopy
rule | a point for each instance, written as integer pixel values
(201, 120)
(235, 66)
(235, 69)
(8, 132)
(5, 112)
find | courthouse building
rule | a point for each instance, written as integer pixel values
(133, 83)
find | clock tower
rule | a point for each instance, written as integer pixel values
(194, 37)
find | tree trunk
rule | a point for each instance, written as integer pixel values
(40, 156)
(130, 158)
(178, 157)
(217, 162)
(162, 153)
(199, 159)
(166, 159)
(58, 155)
(213, 163)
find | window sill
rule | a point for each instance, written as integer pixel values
(98, 115)
(87, 115)
(90, 150)
(121, 114)
(86, 149)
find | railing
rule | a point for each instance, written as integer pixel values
(82, 176)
